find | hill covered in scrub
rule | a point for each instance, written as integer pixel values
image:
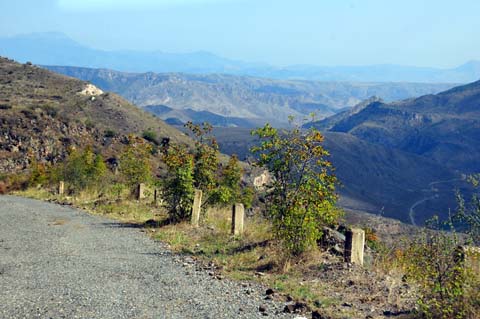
(241, 101)
(42, 114)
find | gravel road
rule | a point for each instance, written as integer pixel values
(58, 262)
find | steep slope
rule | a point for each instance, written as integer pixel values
(253, 99)
(43, 48)
(43, 113)
(330, 121)
(444, 127)
(373, 178)
(387, 181)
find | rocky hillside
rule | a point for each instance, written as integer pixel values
(444, 128)
(227, 100)
(43, 113)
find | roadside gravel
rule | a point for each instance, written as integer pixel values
(59, 262)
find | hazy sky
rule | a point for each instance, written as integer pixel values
(439, 33)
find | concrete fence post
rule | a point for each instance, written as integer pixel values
(238, 213)
(354, 244)
(155, 196)
(61, 188)
(141, 191)
(197, 204)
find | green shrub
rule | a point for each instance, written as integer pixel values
(82, 169)
(178, 186)
(445, 288)
(150, 136)
(135, 163)
(302, 196)
(110, 133)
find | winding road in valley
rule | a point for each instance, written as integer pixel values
(432, 189)
(59, 262)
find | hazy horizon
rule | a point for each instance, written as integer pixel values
(278, 33)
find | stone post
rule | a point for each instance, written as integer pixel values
(61, 188)
(197, 204)
(354, 244)
(141, 191)
(238, 213)
(155, 197)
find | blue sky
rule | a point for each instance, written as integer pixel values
(437, 33)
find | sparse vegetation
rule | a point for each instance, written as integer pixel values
(446, 288)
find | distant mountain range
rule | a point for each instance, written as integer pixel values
(240, 101)
(58, 49)
(444, 128)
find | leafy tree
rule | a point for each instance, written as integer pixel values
(82, 169)
(302, 197)
(135, 162)
(229, 190)
(205, 158)
(178, 188)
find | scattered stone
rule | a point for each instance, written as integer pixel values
(262, 308)
(269, 292)
(317, 315)
(290, 308)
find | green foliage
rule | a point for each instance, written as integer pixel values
(433, 261)
(110, 133)
(229, 190)
(469, 213)
(150, 136)
(39, 174)
(205, 158)
(82, 169)
(302, 197)
(178, 188)
(135, 162)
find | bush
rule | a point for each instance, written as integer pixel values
(178, 187)
(445, 288)
(82, 169)
(150, 136)
(110, 133)
(135, 162)
(38, 175)
(3, 188)
(469, 213)
(302, 197)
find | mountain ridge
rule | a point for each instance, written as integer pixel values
(43, 48)
(249, 98)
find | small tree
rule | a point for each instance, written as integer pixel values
(178, 188)
(302, 197)
(205, 158)
(135, 162)
(82, 169)
(229, 188)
